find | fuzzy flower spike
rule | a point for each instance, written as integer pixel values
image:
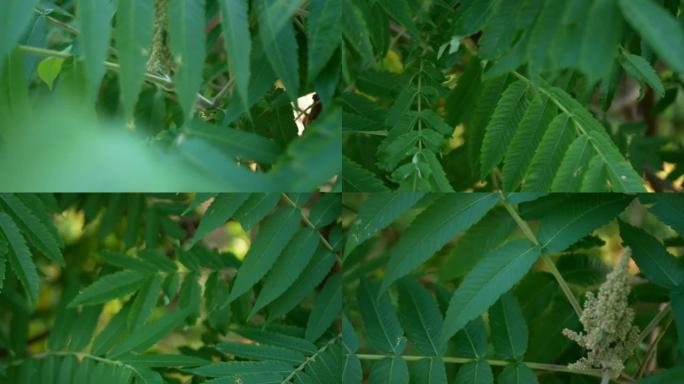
(609, 336)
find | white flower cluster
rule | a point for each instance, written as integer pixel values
(160, 57)
(609, 336)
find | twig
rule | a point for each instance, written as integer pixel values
(163, 81)
(312, 226)
(652, 349)
(654, 322)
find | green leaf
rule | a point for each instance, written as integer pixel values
(578, 216)
(312, 275)
(476, 242)
(278, 339)
(573, 166)
(109, 287)
(261, 352)
(234, 368)
(320, 144)
(477, 372)
(327, 367)
(517, 373)
(602, 34)
(265, 250)
(664, 377)
(39, 232)
(326, 308)
(14, 18)
(391, 370)
(482, 112)
(623, 177)
(503, 124)
(133, 35)
(549, 154)
(640, 69)
(595, 177)
(221, 209)
(235, 143)
(326, 210)
(82, 330)
(437, 175)
(123, 261)
(113, 332)
(287, 268)
(150, 333)
(509, 329)
(48, 70)
(355, 178)
(434, 227)
(472, 16)
(471, 341)
(238, 43)
(255, 208)
(668, 207)
(429, 371)
(420, 317)
(3, 261)
(400, 11)
(654, 261)
(280, 47)
(95, 19)
(379, 319)
(658, 28)
(527, 137)
(356, 31)
(20, 257)
(282, 12)
(144, 302)
(186, 41)
(498, 272)
(325, 34)
(376, 213)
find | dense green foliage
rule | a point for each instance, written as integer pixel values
(531, 95)
(478, 288)
(323, 288)
(220, 95)
(145, 289)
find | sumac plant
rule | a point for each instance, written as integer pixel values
(130, 288)
(513, 288)
(512, 95)
(169, 95)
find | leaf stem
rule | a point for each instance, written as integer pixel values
(79, 356)
(652, 349)
(463, 360)
(527, 231)
(311, 358)
(312, 226)
(654, 322)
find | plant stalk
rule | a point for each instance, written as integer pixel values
(525, 228)
(463, 360)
